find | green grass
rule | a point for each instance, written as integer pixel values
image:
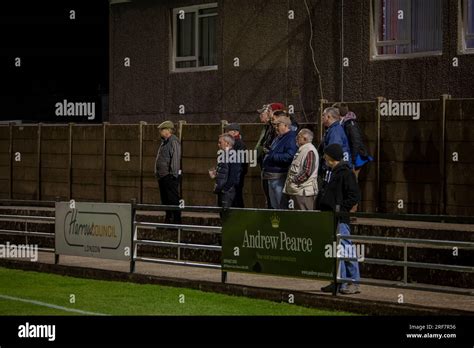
(121, 298)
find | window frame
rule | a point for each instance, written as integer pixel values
(174, 59)
(464, 34)
(375, 43)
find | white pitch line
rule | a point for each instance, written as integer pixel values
(49, 305)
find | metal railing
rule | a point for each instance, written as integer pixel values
(405, 242)
(179, 228)
(26, 233)
(179, 245)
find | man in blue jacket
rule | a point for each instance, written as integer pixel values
(278, 160)
(334, 134)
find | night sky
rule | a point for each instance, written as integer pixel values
(60, 58)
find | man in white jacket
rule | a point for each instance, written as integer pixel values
(301, 183)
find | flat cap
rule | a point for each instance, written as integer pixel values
(166, 124)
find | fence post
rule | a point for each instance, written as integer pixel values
(56, 255)
(104, 159)
(442, 157)
(38, 181)
(10, 151)
(132, 251)
(378, 181)
(140, 139)
(181, 123)
(336, 259)
(70, 161)
(223, 124)
(320, 124)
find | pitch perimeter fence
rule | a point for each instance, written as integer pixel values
(178, 229)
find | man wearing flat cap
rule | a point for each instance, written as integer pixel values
(168, 170)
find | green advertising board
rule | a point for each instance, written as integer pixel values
(287, 243)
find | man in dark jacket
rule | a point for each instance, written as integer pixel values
(340, 193)
(233, 130)
(359, 153)
(227, 174)
(277, 162)
(168, 170)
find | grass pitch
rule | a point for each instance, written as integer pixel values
(34, 293)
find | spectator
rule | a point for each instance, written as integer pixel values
(294, 124)
(226, 174)
(301, 184)
(266, 138)
(277, 162)
(340, 193)
(168, 170)
(233, 130)
(334, 135)
(359, 154)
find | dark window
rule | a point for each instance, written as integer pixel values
(404, 27)
(195, 42)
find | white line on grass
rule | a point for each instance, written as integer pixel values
(49, 305)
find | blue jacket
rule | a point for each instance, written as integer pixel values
(335, 135)
(281, 154)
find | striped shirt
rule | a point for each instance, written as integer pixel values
(309, 165)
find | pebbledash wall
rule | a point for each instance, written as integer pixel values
(275, 61)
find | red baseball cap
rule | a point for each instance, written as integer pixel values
(272, 107)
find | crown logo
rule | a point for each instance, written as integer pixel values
(275, 220)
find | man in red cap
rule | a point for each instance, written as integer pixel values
(266, 138)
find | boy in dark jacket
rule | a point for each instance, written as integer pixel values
(340, 193)
(227, 174)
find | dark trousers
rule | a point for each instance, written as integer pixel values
(267, 194)
(169, 193)
(225, 199)
(239, 195)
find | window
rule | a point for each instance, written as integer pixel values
(467, 21)
(404, 28)
(194, 38)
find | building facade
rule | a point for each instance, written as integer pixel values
(203, 61)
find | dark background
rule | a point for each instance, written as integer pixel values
(60, 58)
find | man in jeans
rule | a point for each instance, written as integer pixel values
(340, 193)
(265, 140)
(278, 160)
(168, 170)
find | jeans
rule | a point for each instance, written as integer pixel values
(349, 269)
(278, 199)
